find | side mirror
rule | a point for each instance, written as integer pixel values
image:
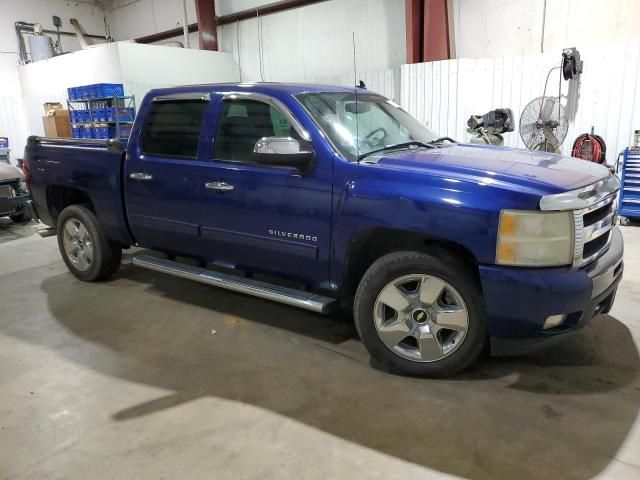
(284, 152)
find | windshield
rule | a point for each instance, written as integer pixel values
(374, 122)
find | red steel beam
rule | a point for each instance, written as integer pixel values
(436, 42)
(414, 18)
(207, 25)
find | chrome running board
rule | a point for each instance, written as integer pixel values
(256, 288)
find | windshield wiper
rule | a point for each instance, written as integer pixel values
(442, 139)
(396, 147)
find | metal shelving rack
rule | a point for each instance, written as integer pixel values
(127, 101)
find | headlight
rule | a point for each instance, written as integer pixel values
(535, 239)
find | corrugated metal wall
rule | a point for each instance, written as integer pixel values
(386, 82)
(444, 94)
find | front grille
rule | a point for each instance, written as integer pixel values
(597, 215)
(594, 246)
(593, 229)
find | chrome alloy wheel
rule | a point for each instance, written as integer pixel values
(78, 244)
(421, 317)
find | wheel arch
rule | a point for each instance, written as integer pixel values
(371, 244)
(61, 196)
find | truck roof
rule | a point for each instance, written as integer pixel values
(272, 88)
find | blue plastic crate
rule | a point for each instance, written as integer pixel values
(121, 114)
(126, 114)
(110, 131)
(125, 131)
(99, 114)
(87, 132)
(82, 93)
(76, 132)
(76, 116)
(102, 90)
(92, 91)
(72, 93)
(101, 132)
(80, 116)
(110, 114)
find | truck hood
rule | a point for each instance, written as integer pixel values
(9, 172)
(536, 172)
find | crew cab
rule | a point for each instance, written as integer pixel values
(338, 197)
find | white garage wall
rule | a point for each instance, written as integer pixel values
(444, 94)
(493, 28)
(300, 44)
(316, 41)
(13, 122)
(131, 19)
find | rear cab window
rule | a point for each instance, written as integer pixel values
(172, 128)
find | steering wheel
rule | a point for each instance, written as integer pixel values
(369, 136)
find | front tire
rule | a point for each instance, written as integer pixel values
(421, 314)
(86, 251)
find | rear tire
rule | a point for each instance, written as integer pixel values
(421, 314)
(88, 254)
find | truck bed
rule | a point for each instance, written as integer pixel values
(59, 167)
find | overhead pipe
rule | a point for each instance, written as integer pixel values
(79, 35)
(185, 25)
(275, 7)
(22, 51)
(172, 43)
(157, 37)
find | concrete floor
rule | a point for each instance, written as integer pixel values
(149, 376)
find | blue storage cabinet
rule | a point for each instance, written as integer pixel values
(630, 189)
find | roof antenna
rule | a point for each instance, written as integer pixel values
(355, 93)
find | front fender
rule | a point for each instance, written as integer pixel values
(452, 210)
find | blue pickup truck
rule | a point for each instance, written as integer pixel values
(325, 197)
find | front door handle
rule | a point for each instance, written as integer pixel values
(140, 176)
(220, 186)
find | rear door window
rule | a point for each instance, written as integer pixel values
(172, 129)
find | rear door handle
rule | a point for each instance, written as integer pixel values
(220, 186)
(140, 176)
